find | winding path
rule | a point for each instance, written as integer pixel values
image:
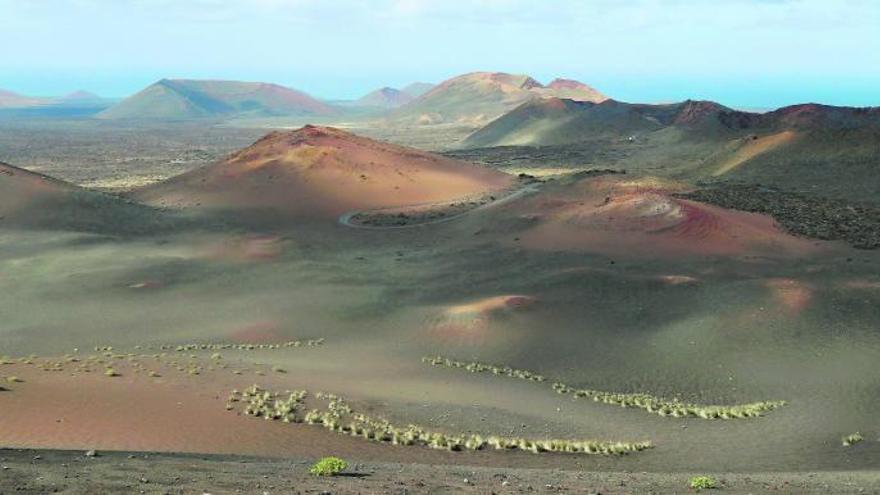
(346, 218)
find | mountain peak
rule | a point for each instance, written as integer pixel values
(386, 97)
(560, 83)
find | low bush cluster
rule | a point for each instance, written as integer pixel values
(648, 402)
(338, 416)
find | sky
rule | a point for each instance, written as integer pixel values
(743, 53)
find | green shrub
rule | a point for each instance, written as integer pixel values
(852, 439)
(328, 466)
(702, 483)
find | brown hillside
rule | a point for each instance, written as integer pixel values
(21, 189)
(324, 172)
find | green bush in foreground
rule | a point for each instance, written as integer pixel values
(702, 483)
(328, 466)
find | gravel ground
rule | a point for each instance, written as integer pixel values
(50, 471)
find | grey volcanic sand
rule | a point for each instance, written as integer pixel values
(120, 472)
(748, 329)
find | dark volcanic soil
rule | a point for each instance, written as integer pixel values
(72, 472)
(801, 214)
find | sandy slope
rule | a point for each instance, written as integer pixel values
(34, 201)
(20, 189)
(753, 148)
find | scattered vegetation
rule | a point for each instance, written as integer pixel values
(338, 416)
(702, 483)
(328, 466)
(474, 367)
(650, 403)
(189, 363)
(240, 347)
(852, 439)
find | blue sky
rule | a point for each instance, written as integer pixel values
(745, 53)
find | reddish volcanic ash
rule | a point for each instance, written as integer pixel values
(251, 247)
(21, 189)
(793, 295)
(260, 332)
(323, 172)
(469, 323)
(174, 412)
(640, 218)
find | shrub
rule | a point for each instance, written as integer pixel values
(328, 466)
(702, 483)
(852, 439)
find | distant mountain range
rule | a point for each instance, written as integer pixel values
(389, 97)
(480, 97)
(8, 99)
(180, 99)
(796, 147)
(81, 98)
(506, 109)
(556, 121)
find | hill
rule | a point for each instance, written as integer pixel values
(33, 201)
(323, 172)
(480, 97)
(417, 89)
(8, 99)
(80, 98)
(179, 99)
(384, 97)
(642, 217)
(571, 89)
(821, 150)
(554, 121)
(805, 148)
